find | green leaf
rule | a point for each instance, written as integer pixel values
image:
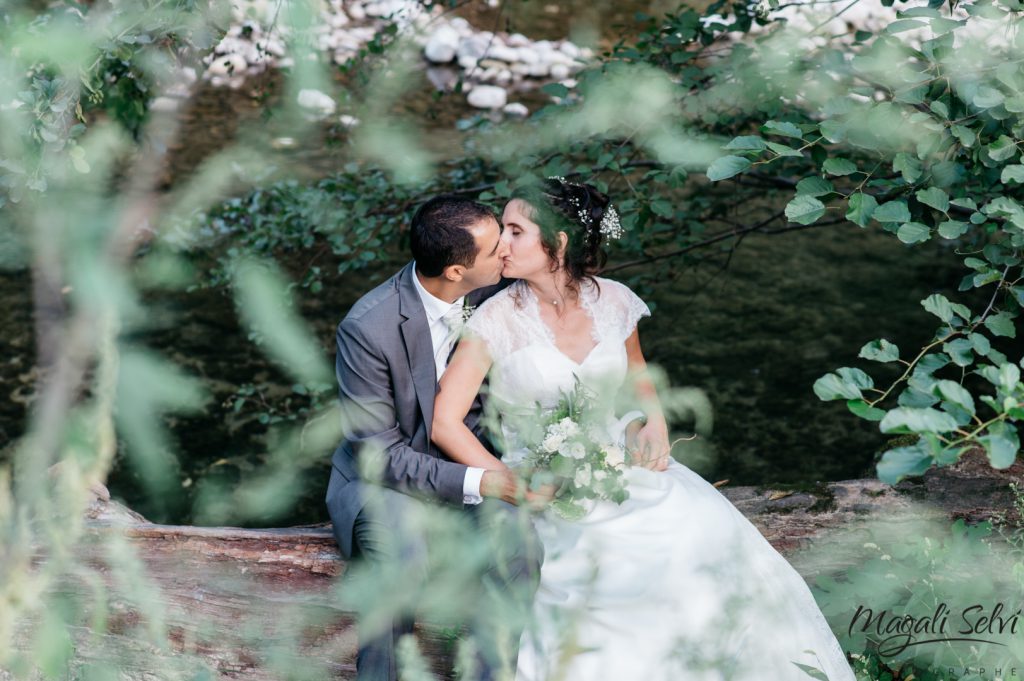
(900, 462)
(964, 134)
(980, 343)
(892, 211)
(1013, 173)
(939, 306)
(917, 420)
(939, 107)
(752, 142)
(908, 166)
(960, 350)
(555, 90)
(880, 351)
(987, 97)
(783, 150)
(1002, 149)
(727, 166)
(951, 229)
(804, 209)
(862, 207)
(901, 25)
(1001, 324)
(814, 186)
(832, 387)
(862, 409)
(1001, 452)
(934, 197)
(913, 232)
(839, 166)
(783, 128)
(951, 391)
(662, 208)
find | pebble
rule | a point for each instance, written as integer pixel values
(317, 102)
(442, 45)
(516, 109)
(487, 97)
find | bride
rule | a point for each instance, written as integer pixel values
(673, 584)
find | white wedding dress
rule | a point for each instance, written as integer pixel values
(674, 584)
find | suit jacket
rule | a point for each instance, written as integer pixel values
(387, 384)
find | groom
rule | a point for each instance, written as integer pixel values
(393, 346)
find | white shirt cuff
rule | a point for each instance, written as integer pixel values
(471, 485)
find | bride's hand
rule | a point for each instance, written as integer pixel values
(650, 447)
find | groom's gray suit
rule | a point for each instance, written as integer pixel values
(386, 377)
(385, 371)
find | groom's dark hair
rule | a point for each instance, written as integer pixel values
(439, 234)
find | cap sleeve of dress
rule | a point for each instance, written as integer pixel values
(625, 306)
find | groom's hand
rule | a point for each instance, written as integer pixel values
(503, 484)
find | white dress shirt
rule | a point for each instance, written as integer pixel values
(441, 342)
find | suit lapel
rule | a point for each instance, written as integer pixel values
(418, 346)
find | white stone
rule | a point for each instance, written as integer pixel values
(356, 11)
(520, 69)
(227, 64)
(528, 55)
(468, 63)
(504, 77)
(539, 70)
(503, 53)
(442, 45)
(317, 101)
(518, 40)
(164, 104)
(348, 121)
(559, 71)
(461, 25)
(487, 97)
(339, 19)
(472, 46)
(569, 49)
(516, 109)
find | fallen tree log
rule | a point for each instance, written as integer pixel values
(261, 603)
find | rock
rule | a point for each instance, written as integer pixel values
(164, 104)
(518, 40)
(317, 102)
(468, 63)
(461, 25)
(528, 55)
(474, 46)
(339, 19)
(560, 71)
(227, 65)
(516, 109)
(348, 121)
(569, 49)
(356, 11)
(539, 70)
(503, 53)
(487, 97)
(441, 46)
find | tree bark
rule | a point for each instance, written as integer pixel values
(233, 598)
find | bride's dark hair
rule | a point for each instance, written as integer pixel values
(576, 209)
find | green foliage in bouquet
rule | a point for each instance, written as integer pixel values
(572, 447)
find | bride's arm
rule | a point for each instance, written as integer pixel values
(459, 385)
(651, 441)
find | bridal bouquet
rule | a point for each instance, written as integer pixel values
(573, 449)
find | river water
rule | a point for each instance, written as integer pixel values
(753, 336)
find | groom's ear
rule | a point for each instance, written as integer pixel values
(454, 272)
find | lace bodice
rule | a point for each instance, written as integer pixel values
(528, 368)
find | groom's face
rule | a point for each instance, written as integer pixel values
(491, 249)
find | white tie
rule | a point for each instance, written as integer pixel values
(453, 321)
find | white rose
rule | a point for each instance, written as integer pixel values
(569, 427)
(551, 443)
(582, 478)
(573, 450)
(599, 475)
(614, 456)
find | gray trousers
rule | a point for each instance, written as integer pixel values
(485, 566)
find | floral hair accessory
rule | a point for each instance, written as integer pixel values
(610, 227)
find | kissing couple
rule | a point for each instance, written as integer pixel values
(671, 584)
